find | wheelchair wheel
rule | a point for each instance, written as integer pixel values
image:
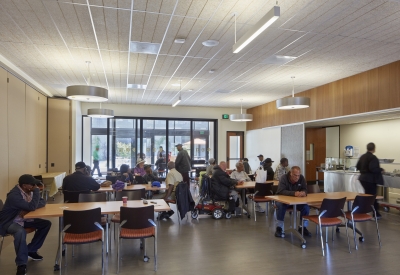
(228, 215)
(217, 213)
(195, 214)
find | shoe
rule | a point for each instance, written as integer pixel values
(21, 270)
(170, 213)
(306, 232)
(279, 232)
(34, 256)
(259, 209)
(163, 216)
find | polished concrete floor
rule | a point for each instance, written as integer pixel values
(235, 246)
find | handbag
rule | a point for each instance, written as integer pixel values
(106, 183)
(260, 175)
(118, 185)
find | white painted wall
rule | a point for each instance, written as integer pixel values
(385, 135)
(263, 141)
(224, 125)
(76, 132)
(332, 142)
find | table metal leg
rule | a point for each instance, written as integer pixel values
(244, 207)
(293, 230)
(60, 226)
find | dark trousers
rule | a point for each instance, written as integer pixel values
(96, 166)
(370, 188)
(186, 178)
(21, 248)
(280, 213)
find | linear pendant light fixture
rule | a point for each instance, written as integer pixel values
(179, 99)
(257, 29)
(241, 116)
(289, 103)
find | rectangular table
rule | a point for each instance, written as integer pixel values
(53, 181)
(310, 199)
(108, 207)
(147, 187)
(250, 184)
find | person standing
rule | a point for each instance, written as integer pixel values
(282, 168)
(268, 167)
(96, 161)
(160, 163)
(182, 163)
(22, 199)
(247, 167)
(370, 173)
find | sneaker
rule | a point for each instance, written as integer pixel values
(21, 270)
(279, 232)
(34, 256)
(170, 213)
(259, 209)
(306, 232)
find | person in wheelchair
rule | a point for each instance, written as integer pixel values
(223, 185)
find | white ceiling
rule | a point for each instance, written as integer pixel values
(50, 41)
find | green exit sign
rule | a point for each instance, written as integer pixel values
(225, 116)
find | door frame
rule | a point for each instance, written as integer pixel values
(230, 134)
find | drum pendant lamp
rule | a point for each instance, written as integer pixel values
(241, 117)
(290, 103)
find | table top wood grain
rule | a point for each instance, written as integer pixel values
(108, 207)
(134, 187)
(314, 198)
(252, 184)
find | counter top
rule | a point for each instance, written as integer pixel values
(341, 172)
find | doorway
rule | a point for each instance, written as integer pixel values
(234, 148)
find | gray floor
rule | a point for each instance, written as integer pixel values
(235, 246)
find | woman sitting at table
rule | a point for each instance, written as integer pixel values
(139, 169)
(150, 176)
(125, 174)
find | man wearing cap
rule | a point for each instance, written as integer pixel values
(96, 161)
(268, 167)
(282, 168)
(78, 181)
(182, 163)
(22, 199)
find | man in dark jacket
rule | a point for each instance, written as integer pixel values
(22, 199)
(291, 184)
(268, 167)
(370, 173)
(182, 163)
(78, 181)
(221, 183)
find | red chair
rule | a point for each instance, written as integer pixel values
(261, 190)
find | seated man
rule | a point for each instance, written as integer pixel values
(22, 199)
(222, 185)
(150, 176)
(172, 180)
(78, 181)
(291, 184)
(281, 169)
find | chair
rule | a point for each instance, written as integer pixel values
(81, 227)
(137, 223)
(361, 207)
(260, 191)
(132, 195)
(97, 197)
(27, 230)
(330, 209)
(73, 196)
(161, 169)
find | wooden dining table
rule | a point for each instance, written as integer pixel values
(107, 207)
(149, 189)
(310, 199)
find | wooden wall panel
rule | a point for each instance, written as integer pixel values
(17, 133)
(377, 89)
(3, 135)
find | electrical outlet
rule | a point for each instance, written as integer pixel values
(52, 164)
(40, 166)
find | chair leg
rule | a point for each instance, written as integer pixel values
(354, 232)
(254, 210)
(333, 229)
(73, 251)
(326, 234)
(266, 209)
(1, 244)
(322, 239)
(347, 233)
(155, 252)
(376, 222)
(118, 256)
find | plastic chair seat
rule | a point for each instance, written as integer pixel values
(358, 217)
(71, 238)
(137, 233)
(324, 221)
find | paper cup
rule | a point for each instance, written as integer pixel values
(124, 199)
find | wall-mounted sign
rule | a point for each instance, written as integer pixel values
(225, 116)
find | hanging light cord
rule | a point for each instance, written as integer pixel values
(292, 86)
(241, 107)
(88, 67)
(235, 26)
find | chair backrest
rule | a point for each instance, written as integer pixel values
(313, 188)
(137, 217)
(92, 197)
(264, 189)
(137, 194)
(364, 204)
(1, 205)
(82, 221)
(333, 207)
(73, 196)
(113, 179)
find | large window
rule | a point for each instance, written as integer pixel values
(122, 140)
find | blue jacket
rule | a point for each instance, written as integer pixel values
(15, 203)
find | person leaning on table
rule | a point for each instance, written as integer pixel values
(78, 181)
(22, 199)
(291, 184)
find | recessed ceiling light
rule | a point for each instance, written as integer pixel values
(144, 47)
(210, 43)
(211, 71)
(179, 40)
(176, 84)
(191, 90)
(279, 59)
(137, 86)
